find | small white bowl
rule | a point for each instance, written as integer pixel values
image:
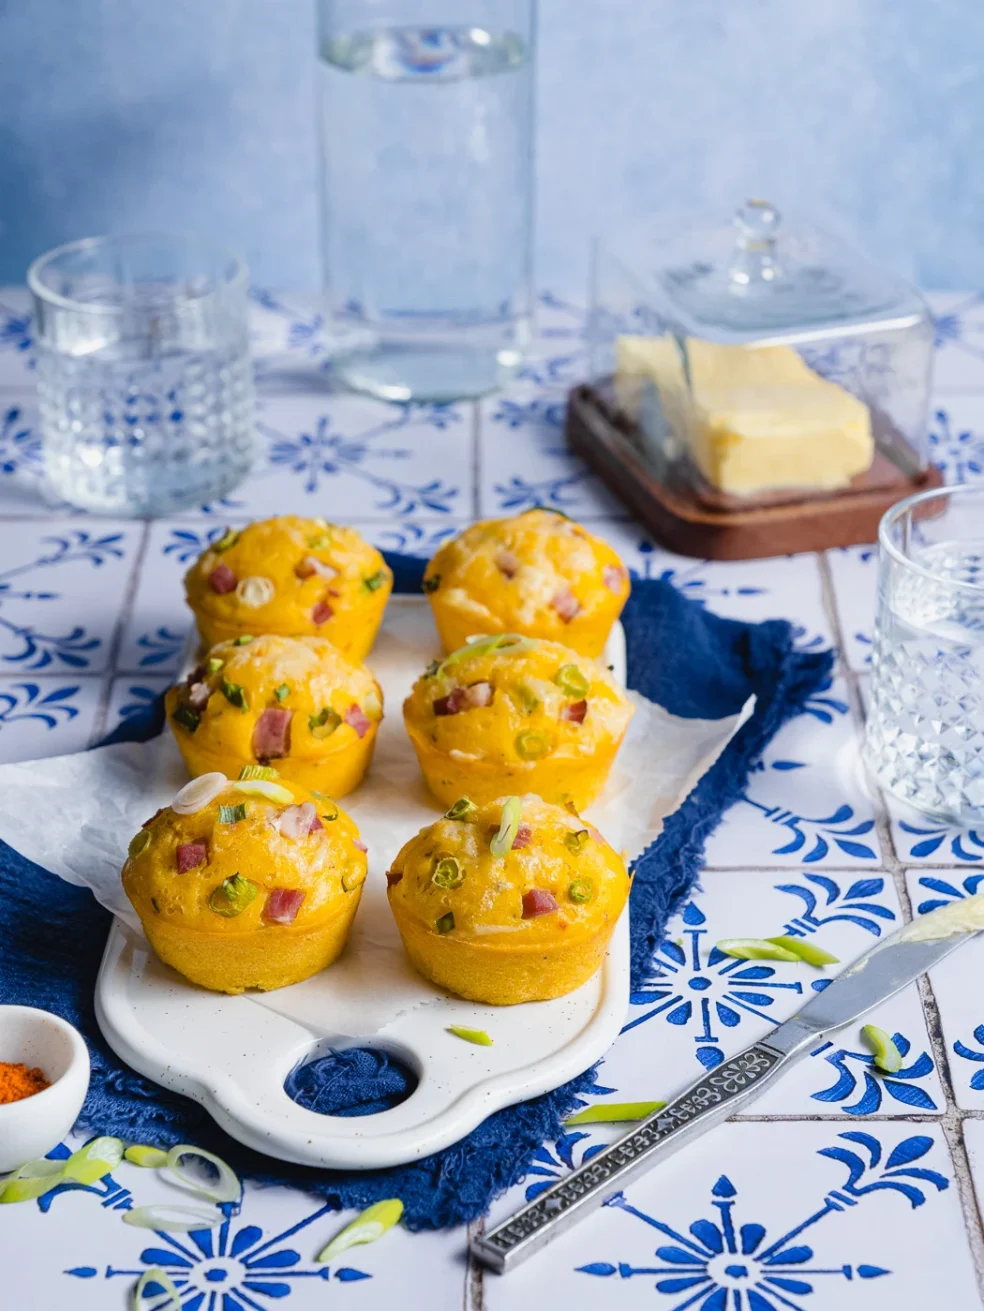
(34, 1125)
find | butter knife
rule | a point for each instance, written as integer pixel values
(721, 1092)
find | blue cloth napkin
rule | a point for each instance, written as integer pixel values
(692, 662)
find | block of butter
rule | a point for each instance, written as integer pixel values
(755, 418)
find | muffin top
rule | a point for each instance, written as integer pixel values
(509, 698)
(537, 573)
(513, 873)
(287, 575)
(237, 857)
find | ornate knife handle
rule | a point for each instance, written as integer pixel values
(713, 1098)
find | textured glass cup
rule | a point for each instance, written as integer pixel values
(426, 125)
(144, 379)
(925, 731)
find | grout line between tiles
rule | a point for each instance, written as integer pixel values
(122, 618)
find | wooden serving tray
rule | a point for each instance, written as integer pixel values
(710, 525)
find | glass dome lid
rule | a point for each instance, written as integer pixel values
(759, 280)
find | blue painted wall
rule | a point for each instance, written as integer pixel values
(120, 114)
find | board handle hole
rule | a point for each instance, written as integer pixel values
(333, 1080)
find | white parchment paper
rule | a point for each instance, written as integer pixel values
(74, 815)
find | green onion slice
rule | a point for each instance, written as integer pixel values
(320, 541)
(232, 896)
(282, 692)
(155, 1275)
(505, 643)
(331, 807)
(754, 949)
(478, 1036)
(576, 841)
(375, 581)
(171, 1219)
(243, 639)
(615, 1112)
(433, 583)
(463, 810)
(448, 873)
(808, 951)
(187, 718)
(257, 771)
(531, 746)
(324, 723)
(570, 680)
(233, 814)
(32, 1180)
(446, 922)
(214, 664)
(235, 694)
(262, 787)
(512, 813)
(94, 1161)
(524, 698)
(580, 891)
(147, 1157)
(367, 1226)
(887, 1055)
(229, 538)
(139, 842)
(226, 1188)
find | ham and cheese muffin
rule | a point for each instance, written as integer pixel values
(514, 714)
(292, 576)
(509, 902)
(295, 701)
(539, 574)
(249, 884)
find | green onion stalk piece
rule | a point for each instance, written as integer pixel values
(505, 643)
(32, 1180)
(187, 718)
(262, 787)
(463, 810)
(282, 692)
(139, 842)
(229, 538)
(432, 584)
(226, 1188)
(432, 669)
(525, 698)
(147, 1157)
(233, 814)
(367, 1226)
(320, 541)
(478, 1036)
(155, 1276)
(570, 680)
(448, 873)
(808, 951)
(552, 509)
(353, 878)
(232, 896)
(531, 746)
(580, 891)
(577, 841)
(235, 694)
(331, 805)
(375, 581)
(324, 723)
(171, 1219)
(512, 813)
(615, 1112)
(243, 639)
(887, 1055)
(754, 949)
(257, 771)
(214, 664)
(93, 1161)
(446, 922)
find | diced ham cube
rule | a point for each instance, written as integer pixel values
(311, 565)
(282, 905)
(613, 576)
(478, 694)
(198, 695)
(355, 718)
(159, 811)
(359, 844)
(393, 877)
(523, 838)
(471, 697)
(191, 855)
(507, 563)
(222, 579)
(538, 901)
(566, 604)
(297, 822)
(321, 612)
(574, 712)
(271, 736)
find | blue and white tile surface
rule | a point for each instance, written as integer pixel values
(842, 1187)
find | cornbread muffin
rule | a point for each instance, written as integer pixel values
(509, 902)
(250, 884)
(293, 700)
(510, 714)
(293, 576)
(539, 574)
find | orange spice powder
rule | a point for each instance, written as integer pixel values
(18, 1081)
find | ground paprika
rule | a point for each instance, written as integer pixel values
(18, 1081)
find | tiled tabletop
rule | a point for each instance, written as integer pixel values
(844, 1188)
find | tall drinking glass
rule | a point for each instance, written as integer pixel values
(925, 730)
(144, 378)
(427, 146)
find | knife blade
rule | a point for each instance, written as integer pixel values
(872, 979)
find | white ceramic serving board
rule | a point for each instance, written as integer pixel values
(232, 1054)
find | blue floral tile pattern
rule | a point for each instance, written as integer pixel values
(47, 715)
